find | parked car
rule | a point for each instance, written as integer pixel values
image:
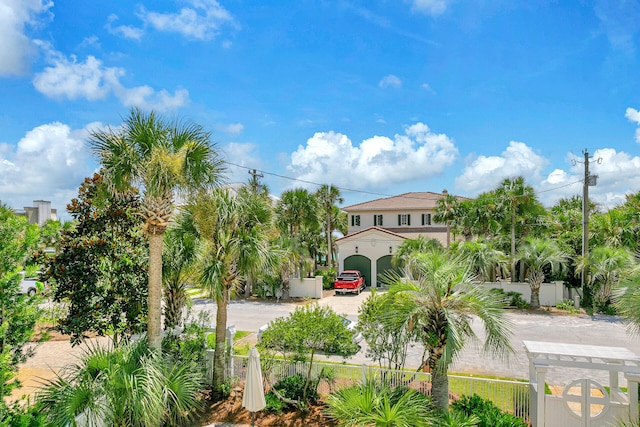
(29, 285)
(349, 281)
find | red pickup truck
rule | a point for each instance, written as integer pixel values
(349, 281)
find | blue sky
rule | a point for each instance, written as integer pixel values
(377, 96)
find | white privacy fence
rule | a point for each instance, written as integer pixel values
(509, 396)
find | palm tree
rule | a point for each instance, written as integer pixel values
(628, 301)
(446, 212)
(439, 300)
(374, 404)
(516, 199)
(130, 385)
(233, 234)
(485, 260)
(328, 196)
(409, 247)
(605, 267)
(179, 256)
(538, 255)
(160, 158)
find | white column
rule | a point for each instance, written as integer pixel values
(540, 397)
(632, 389)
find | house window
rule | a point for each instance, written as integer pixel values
(426, 219)
(377, 220)
(404, 219)
(355, 220)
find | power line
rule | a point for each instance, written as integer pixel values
(373, 193)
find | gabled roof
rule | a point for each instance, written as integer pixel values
(378, 229)
(413, 200)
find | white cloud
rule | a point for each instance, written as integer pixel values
(390, 81)
(430, 7)
(428, 88)
(16, 48)
(48, 163)
(67, 78)
(201, 21)
(244, 154)
(377, 162)
(126, 31)
(231, 128)
(484, 173)
(633, 115)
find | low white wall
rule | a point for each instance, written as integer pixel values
(306, 288)
(550, 293)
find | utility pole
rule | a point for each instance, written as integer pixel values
(254, 184)
(589, 181)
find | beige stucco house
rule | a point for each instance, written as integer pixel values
(378, 227)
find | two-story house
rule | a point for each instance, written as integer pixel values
(378, 227)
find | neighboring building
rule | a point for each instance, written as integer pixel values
(39, 213)
(378, 227)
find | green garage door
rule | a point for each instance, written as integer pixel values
(359, 262)
(383, 264)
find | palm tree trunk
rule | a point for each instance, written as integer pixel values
(329, 245)
(448, 234)
(513, 246)
(440, 388)
(535, 280)
(221, 334)
(154, 298)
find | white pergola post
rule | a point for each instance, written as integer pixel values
(539, 395)
(632, 391)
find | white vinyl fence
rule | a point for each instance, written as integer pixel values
(509, 396)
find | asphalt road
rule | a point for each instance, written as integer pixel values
(540, 326)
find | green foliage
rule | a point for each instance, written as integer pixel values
(19, 415)
(267, 286)
(568, 306)
(293, 387)
(516, 300)
(488, 414)
(18, 312)
(328, 277)
(130, 385)
(100, 270)
(374, 404)
(386, 344)
(188, 346)
(274, 404)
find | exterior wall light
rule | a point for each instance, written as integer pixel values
(356, 249)
(390, 249)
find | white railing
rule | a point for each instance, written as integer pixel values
(509, 396)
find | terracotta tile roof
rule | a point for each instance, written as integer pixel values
(413, 200)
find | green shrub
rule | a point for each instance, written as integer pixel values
(516, 300)
(273, 403)
(568, 306)
(18, 416)
(293, 388)
(488, 414)
(328, 277)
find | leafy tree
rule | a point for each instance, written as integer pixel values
(160, 158)
(538, 255)
(233, 234)
(386, 345)
(410, 247)
(306, 331)
(100, 270)
(438, 302)
(18, 312)
(128, 386)
(328, 196)
(627, 301)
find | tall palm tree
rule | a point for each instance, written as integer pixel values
(328, 196)
(516, 199)
(409, 247)
(446, 209)
(160, 158)
(485, 260)
(233, 234)
(627, 300)
(538, 255)
(440, 301)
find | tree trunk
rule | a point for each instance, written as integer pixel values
(219, 373)
(535, 280)
(248, 286)
(440, 388)
(513, 247)
(329, 242)
(154, 298)
(448, 235)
